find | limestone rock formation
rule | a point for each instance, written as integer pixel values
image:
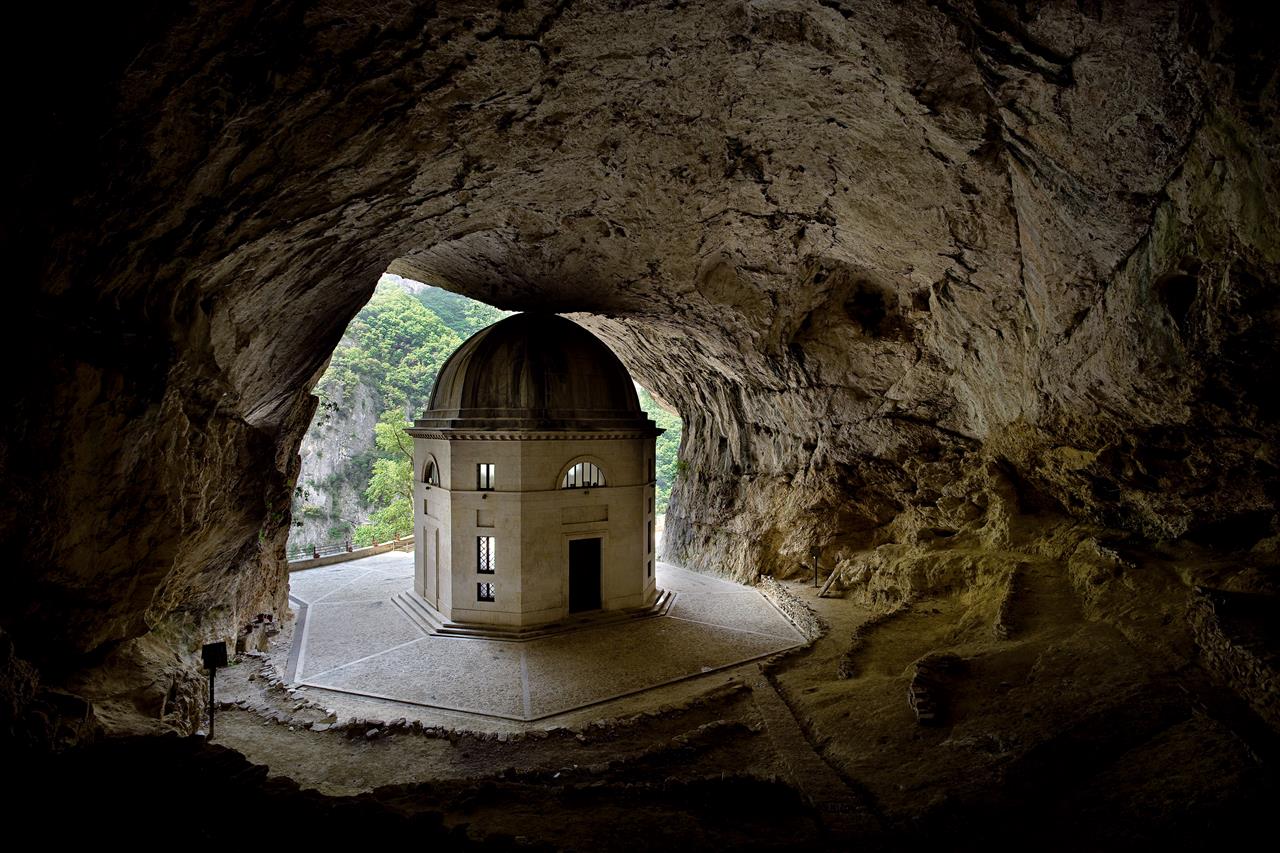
(330, 498)
(950, 277)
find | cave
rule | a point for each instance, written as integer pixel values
(970, 303)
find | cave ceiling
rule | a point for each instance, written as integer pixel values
(848, 241)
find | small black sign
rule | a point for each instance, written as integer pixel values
(214, 654)
(815, 551)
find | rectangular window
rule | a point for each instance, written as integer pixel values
(651, 568)
(484, 592)
(651, 505)
(484, 476)
(650, 538)
(484, 555)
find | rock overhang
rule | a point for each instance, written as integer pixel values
(863, 249)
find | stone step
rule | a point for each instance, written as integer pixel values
(419, 612)
(432, 622)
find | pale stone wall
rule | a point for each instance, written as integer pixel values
(432, 513)
(533, 520)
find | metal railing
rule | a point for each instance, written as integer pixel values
(314, 552)
(328, 549)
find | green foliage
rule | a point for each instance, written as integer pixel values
(465, 316)
(390, 487)
(667, 448)
(386, 524)
(394, 345)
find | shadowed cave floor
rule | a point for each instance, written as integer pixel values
(1062, 737)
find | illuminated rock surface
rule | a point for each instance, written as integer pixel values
(979, 298)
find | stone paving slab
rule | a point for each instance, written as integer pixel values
(375, 586)
(394, 563)
(314, 584)
(355, 640)
(478, 676)
(572, 670)
(337, 633)
(677, 579)
(749, 612)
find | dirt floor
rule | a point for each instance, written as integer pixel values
(1049, 718)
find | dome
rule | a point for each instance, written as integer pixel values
(534, 371)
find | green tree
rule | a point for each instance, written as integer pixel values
(398, 346)
(667, 450)
(464, 316)
(394, 348)
(391, 484)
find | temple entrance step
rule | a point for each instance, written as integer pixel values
(433, 623)
(418, 610)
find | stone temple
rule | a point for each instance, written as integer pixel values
(978, 300)
(535, 499)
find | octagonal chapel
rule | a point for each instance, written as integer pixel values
(534, 499)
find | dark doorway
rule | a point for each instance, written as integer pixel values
(584, 575)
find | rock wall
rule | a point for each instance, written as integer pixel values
(330, 496)
(866, 249)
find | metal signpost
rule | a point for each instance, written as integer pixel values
(214, 655)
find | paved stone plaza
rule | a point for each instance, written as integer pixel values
(351, 638)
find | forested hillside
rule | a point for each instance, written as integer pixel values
(356, 478)
(668, 445)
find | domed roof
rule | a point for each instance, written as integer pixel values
(534, 371)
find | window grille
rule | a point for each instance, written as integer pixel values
(484, 476)
(484, 592)
(583, 475)
(485, 555)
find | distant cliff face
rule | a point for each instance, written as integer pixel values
(386, 362)
(908, 271)
(329, 502)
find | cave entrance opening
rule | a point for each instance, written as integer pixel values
(355, 486)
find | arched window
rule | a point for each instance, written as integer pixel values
(583, 475)
(431, 473)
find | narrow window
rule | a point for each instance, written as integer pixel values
(650, 538)
(582, 476)
(484, 476)
(651, 568)
(484, 592)
(484, 555)
(431, 476)
(651, 504)
(653, 471)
